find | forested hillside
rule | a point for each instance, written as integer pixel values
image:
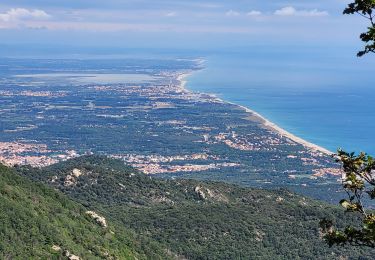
(37, 222)
(199, 220)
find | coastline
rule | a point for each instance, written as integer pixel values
(182, 78)
(285, 133)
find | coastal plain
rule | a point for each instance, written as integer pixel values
(54, 110)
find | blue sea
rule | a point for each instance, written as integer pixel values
(326, 96)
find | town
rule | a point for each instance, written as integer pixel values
(155, 124)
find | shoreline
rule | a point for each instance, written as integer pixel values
(264, 121)
(182, 79)
(281, 131)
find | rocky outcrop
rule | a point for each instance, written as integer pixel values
(199, 191)
(77, 173)
(71, 256)
(205, 194)
(99, 219)
(56, 248)
(71, 179)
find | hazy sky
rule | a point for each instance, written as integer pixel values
(178, 23)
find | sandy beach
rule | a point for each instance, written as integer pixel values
(285, 133)
(182, 78)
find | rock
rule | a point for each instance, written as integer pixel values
(205, 194)
(71, 256)
(198, 190)
(71, 179)
(303, 202)
(259, 235)
(99, 219)
(56, 248)
(54, 179)
(77, 173)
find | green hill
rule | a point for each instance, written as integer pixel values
(37, 222)
(197, 220)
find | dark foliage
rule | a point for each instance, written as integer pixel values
(34, 218)
(202, 220)
(366, 9)
(359, 183)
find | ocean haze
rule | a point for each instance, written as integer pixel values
(292, 61)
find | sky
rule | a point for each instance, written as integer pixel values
(203, 24)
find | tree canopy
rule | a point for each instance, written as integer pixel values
(365, 8)
(358, 177)
(358, 181)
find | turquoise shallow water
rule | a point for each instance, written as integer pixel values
(325, 97)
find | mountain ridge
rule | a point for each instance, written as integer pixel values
(38, 222)
(201, 220)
